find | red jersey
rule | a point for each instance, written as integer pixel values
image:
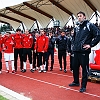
(27, 41)
(1, 42)
(41, 44)
(8, 44)
(18, 39)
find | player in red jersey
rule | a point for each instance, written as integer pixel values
(41, 46)
(18, 38)
(8, 47)
(27, 45)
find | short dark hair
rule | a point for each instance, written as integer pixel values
(8, 32)
(62, 30)
(81, 13)
(18, 29)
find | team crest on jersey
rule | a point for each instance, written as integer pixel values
(43, 39)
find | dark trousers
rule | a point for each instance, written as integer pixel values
(35, 59)
(81, 59)
(20, 52)
(62, 54)
(27, 51)
(50, 52)
(71, 61)
(42, 58)
(0, 61)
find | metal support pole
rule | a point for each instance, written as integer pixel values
(96, 14)
(73, 21)
(37, 25)
(49, 22)
(23, 27)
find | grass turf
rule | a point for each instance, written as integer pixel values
(2, 98)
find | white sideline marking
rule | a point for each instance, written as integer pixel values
(57, 85)
(94, 95)
(14, 94)
(59, 74)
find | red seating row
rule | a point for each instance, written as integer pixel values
(96, 65)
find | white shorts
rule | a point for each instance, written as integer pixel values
(8, 56)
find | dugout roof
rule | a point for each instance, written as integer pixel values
(44, 10)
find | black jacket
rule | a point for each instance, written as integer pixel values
(86, 33)
(51, 43)
(70, 44)
(62, 42)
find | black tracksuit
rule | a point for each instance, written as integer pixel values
(70, 50)
(85, 33)
(62, 42)
(51, 51)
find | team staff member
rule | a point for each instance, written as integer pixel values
(41, 46)
(18, 38)
(51, 50)
(62, 41)
(8, 47)
(87, 35)
(1, 42)
(27, 45)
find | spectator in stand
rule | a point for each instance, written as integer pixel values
(18, 38)
(8, 47)
(1, 42)
(27, 45)
(42, 46)
(51, 50)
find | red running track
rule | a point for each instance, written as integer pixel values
(52, 85)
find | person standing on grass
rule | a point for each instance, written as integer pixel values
(27, 45)
(86, 36)
(1, 42)
(8, 47)
(18, 49)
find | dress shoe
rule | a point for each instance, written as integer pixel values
(13, 71)
(51, 69)
(60, 69)
(65, 70)
(74, 84)
(32, 70)
(24, 70)
(82, 90)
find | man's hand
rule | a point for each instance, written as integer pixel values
(86, 46)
